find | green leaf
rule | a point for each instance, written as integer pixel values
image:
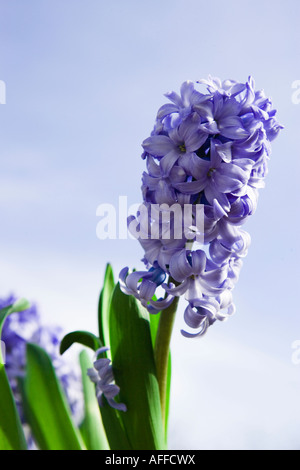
(154, 322)
(114, 428)
(11, 431)
(92, 428)
(168, 392)
(46, 406)
(18, 306)
(82, 337)
(134, 371)
(104, 305)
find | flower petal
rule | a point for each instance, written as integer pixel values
(158, 145)
(169, 160)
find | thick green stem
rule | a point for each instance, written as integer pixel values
(162, 349)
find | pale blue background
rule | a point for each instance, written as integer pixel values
(84, 81)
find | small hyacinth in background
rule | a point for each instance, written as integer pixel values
(47, 401)
(206, 159)
(27, 327)
(102, 375)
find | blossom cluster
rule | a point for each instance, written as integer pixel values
(27, 327)
(102, 376)
(209, 149)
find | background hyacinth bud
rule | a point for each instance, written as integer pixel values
(102, 375)
(27, 327)
(208, 148)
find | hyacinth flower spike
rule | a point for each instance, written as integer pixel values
(210, 149)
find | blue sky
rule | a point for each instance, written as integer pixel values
(83, 83)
